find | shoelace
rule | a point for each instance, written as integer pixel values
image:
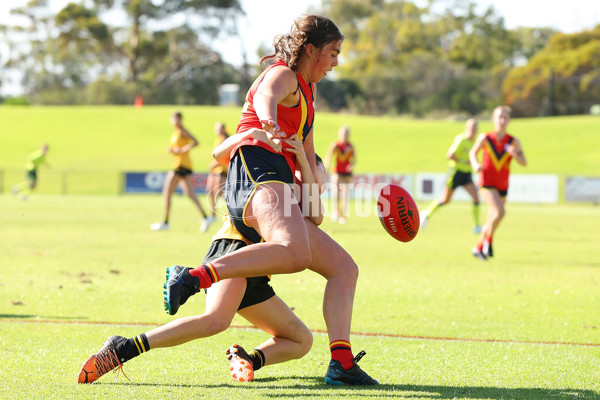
(360, 355)
(107, 361)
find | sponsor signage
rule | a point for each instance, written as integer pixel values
(523, 188)
(581, 188)
(368, 186)
(153, 182)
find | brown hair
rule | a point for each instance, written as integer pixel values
(313, 29)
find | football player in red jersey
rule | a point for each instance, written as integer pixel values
(344, 156)
(260, 200)
(498, 148)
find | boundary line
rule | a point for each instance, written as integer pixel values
(321, 331)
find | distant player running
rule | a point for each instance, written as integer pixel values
(34, 161)
(182, 141)
(498, 148)
(344, 157)
(458, 175)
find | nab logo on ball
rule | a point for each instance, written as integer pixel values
(398, 213)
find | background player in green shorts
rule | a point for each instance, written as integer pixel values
(458, 175)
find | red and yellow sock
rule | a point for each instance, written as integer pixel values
(342, 351)
(206, 274)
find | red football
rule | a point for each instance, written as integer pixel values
(398, 213)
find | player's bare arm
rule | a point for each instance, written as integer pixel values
(473, 153)
(452, 156)
(516, 151)
(222, 152)
(279, 86)
(310, 188)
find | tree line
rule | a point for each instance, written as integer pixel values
(398, 57)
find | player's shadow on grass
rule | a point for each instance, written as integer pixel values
(485, 392)
(310, 385)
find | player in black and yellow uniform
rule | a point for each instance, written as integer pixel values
(252, 298)
(182, 141)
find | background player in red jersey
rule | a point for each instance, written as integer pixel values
(498, 148)
(344, 157)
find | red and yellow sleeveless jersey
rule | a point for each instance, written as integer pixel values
(496, 161)
(343, 154)
(291, 120)
(181, 159)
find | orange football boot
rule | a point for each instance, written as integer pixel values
(105, 360)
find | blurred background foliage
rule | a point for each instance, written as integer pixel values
(445, 58)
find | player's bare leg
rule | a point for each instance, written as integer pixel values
(291, 339)
(171, 182)
(424, 216)
(335, 199)
(496, 212)
(345, 195)
(222, 301)
(332, 262)
(470, 188)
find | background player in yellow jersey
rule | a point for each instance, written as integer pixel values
(218, 173)
(182, 141)
(458, 175)
(34, 161)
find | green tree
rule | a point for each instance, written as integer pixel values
(563, 78)
(153, 46)
(531, 41)
(427, 59)
(479, 41)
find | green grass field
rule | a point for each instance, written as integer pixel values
(435, 322)
(95, 144)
